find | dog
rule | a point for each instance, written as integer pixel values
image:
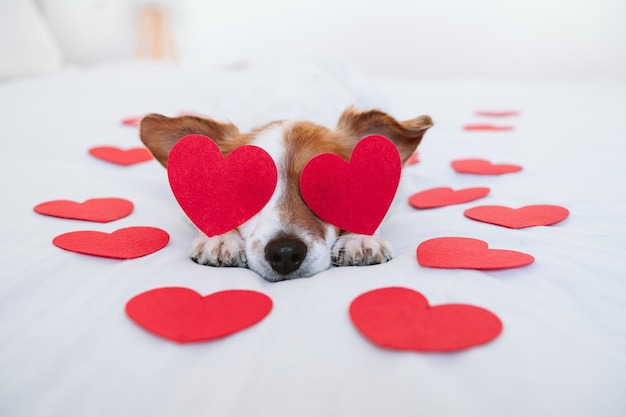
(286, 240)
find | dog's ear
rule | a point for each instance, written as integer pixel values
(160, 133)
(406, 135)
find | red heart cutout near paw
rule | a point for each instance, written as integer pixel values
(121, 156)
(483, 167)
(219, 194)
(184, 316)
(445, 196)
(466, 253)
(101, 210)
(486, 128)
(127, 243)
(353, 195)
(400, 318)
(528, 216)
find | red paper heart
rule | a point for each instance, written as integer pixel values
(483, 167)
(466, 253)
(445, 196)
(127, 243)
(400, 318)
(121, 156)
(101, 210)
(538, 215)
(487, 128)
(132, 121)
(184, 316)
(354, 195)
(509, 113)
(219, 194)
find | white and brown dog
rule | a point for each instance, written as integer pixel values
(286, 240)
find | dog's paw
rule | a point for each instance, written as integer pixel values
(223, 250)
(353, 249)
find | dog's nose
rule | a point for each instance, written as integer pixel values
(285, 254)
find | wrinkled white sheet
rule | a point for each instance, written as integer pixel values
(67, 348)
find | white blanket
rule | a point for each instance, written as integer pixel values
(68, 349)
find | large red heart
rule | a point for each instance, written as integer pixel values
(121, 156)
(400, 318)
(127, 243)
(183, 315)
(483, 167)
(219, 194)
(354, 195)
(445, 196)
(101, 210)
(538, 215)
(466, 253)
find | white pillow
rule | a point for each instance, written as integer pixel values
(26, 44)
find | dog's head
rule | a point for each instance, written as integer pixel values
(286, 240)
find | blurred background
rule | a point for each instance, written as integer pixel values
(394, 38)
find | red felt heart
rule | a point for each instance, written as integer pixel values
(354, 195)
(483, 167)
(127, 243)
(400, 318)
(184, 316)
(466, 253)
(487, 128)
(219, 194)
(121, 156)
(445, 196)
(101, 210)
(508, 113)
(538, 215)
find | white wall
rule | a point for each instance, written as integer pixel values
(420, 38)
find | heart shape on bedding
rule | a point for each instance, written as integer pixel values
(528, 216)
(101, 210)
(487, 128)
(220, 193)
(121, 156)
(353, 195)
(483, 167)
(467, 253)
(127, 243)
(445, 196)
(184, 316)
(400, 318)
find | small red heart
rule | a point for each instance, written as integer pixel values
(509, 113)
(538, 215)
(400, 318)
(101, 210)
(132, 121)
(353, 195)
(445, 196)
(184, 316)
(483, 167)
(127, 243)
(413, 159)
(121, 156)
(487, 128)
(219, 194)
(466, 253)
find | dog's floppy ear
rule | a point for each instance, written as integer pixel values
(160, 133)
(406, 135)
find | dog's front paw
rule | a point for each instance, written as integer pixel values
(352, 249)
(223, 250)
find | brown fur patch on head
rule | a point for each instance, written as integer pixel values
(303, 141)
(406, 135)
(160, 133)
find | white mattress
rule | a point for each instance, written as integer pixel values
(68, 349)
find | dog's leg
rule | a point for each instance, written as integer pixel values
(354, 249)
(223, 250)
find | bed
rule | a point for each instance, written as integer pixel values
(68, 348)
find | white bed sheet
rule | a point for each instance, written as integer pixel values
(68, 349)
